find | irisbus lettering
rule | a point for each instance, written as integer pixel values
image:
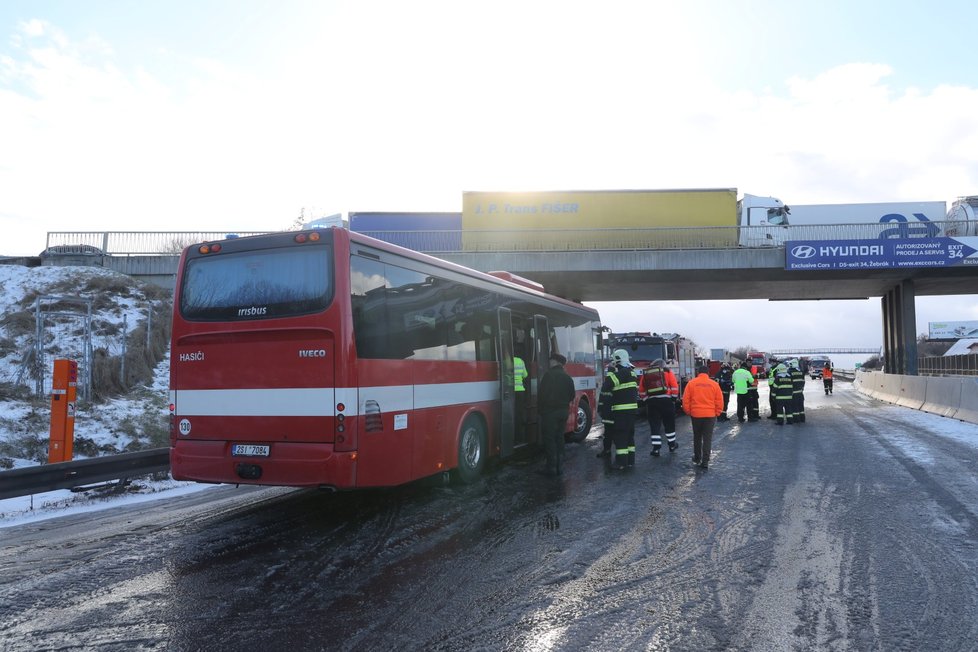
(253, 311)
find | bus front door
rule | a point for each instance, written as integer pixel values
(507, 383)
(540, 364)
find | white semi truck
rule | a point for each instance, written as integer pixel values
(903, 219)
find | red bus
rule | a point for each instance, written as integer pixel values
(325, 358)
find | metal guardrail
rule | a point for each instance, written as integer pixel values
(138, 243)
(68, 475)
(799, 352)
(948, 365)
(129, 243)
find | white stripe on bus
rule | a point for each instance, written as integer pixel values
(320, 402)
(287, 402)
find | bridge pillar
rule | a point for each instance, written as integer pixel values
(899, 330)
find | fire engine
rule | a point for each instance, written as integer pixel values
(760, 360)
(643, 348)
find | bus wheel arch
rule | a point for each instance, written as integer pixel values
(583, 420)
(473, 449)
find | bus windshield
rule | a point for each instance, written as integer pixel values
(260, 284)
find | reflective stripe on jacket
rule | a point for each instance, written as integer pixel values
(798, 380)
(519, 373)
(662, 383)
(623, 386)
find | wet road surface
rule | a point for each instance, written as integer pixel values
(855, 531)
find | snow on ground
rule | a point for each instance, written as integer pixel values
(116, 425)
(119, 305)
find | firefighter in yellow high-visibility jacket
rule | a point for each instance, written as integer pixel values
(622, 383)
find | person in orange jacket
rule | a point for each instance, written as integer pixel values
(827, 379)
(703, 402)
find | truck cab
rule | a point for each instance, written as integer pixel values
(763, 221)
(816, 365)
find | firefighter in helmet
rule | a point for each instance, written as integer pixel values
(622, 384)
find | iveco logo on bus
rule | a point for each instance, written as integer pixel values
(253, 311)
(803, 251)
(196, 356)
(312, 353)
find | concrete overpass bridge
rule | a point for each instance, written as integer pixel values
(634, 271)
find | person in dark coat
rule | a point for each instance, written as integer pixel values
(554, 398)
(725, 380)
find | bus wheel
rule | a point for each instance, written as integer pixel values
(582, 423)
(471, 451)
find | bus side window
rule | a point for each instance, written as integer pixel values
(369, 301)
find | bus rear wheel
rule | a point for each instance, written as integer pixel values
(582, 423)
(471, 451)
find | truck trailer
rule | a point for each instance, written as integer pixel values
(428, 232)
(617, 219)
(962, 218)
(922, 219)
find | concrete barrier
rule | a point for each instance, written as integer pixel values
(869, 383)
(889, 390)
(913, 391)
(943, 396)
(969, 401)
(950, 396)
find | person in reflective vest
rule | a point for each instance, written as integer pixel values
(520, 375)
(827, 379)
(783, 389)
(742, 380)
(622, 384)
(798, 380)
(659, 389)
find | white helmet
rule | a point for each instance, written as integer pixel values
(620, 356)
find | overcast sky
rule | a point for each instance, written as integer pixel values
(239, 114)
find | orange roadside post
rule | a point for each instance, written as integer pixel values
(63, 388)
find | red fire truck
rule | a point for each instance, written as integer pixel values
(675, 350)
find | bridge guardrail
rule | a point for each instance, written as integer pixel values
(138, 243)
(68, 475)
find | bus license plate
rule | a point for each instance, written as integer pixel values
(250, 450)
